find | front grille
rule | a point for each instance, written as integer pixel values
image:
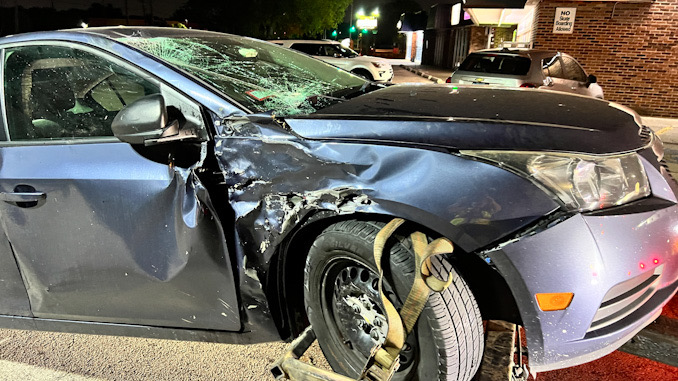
(626, 297)
(645, 134)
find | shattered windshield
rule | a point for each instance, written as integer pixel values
(260, 76)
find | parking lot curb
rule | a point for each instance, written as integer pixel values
(423, 74)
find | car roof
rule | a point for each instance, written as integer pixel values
(114, 32)
(519, 52)
(319, 42)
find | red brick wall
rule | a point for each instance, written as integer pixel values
(634, 53)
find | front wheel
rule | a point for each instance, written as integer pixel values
(344, 308)
(363, 73)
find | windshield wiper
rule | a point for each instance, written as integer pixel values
(353, 92)
(314, 101)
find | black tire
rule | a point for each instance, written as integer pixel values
(447, 343)
(363, 73)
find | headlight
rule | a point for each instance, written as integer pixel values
(378, 64)
(580, 182)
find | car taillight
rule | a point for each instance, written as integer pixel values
(529, 85)
(448, 80)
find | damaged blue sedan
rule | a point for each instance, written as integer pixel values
(199, 186)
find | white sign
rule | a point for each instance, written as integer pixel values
(456, 13)
(366, 23)
(564, 21)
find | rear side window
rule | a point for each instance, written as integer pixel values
(496, 64)
(311, 49)
(572, 69)
(552, 68)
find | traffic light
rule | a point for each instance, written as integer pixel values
(352, 28)
(334, 33)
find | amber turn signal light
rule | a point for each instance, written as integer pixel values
(555, 301)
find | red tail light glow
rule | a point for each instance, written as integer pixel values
(529, 85)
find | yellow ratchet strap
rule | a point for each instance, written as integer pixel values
(385, 358)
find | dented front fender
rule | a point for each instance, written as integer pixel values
(275, 178)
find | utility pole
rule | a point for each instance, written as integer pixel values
(350, 23)
(350, 27)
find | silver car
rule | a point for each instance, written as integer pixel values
(543, 69)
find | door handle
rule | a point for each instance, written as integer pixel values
(22, 196)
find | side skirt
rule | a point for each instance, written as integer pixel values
(113, 329)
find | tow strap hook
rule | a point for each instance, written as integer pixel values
(383, 361)
(518, 369)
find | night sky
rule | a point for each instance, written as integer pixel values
(161, 8)
(164, 8)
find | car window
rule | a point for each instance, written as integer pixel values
(552, 68)
(59, 92)
(330, 51)
(338, 51)
(311, 49)
(572, 70)
(496, 64)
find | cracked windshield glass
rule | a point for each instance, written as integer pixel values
(260, 76)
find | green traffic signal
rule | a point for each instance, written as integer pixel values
(334, 33)
(352, 28)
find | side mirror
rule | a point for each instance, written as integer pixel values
(144, 121)
(548, 81)
(591, 79)
(141, 120)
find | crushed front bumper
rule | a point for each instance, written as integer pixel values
(622, 269)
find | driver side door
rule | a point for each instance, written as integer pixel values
(100, 232)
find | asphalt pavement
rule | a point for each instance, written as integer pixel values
(49, 356)
(401, 75)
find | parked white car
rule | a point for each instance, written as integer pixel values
(332, 52)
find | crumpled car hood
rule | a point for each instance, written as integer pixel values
(460, 117)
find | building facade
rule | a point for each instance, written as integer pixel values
(631, 47)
